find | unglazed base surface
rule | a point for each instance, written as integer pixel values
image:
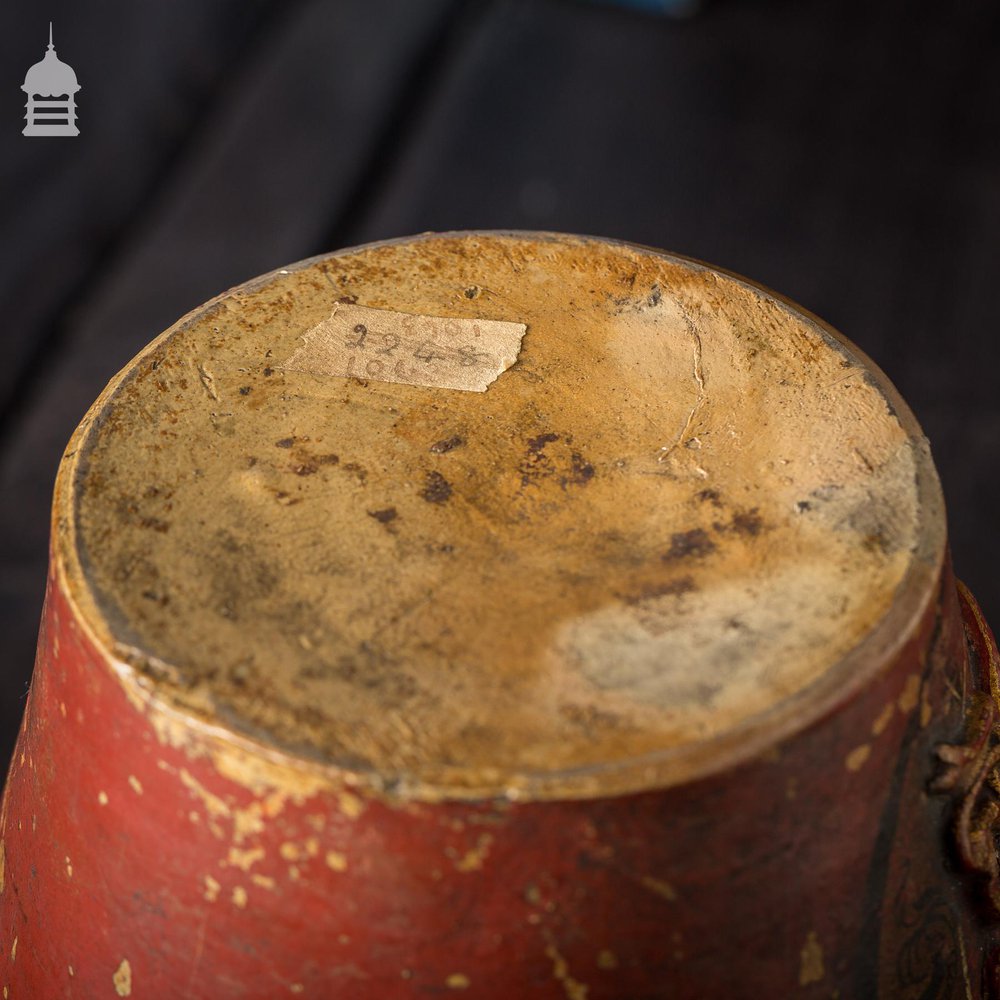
(684, 512)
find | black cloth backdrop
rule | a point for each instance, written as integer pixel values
(846, 155)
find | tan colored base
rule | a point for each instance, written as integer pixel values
(669, 522)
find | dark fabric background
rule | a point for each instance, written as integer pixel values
(847, 155)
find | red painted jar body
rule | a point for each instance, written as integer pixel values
(151, 851)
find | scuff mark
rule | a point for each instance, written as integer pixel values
(574, 989)
(856, 758)
(244, 859)
(123, 979)
(336, 860)
(699, 377)
(214, 806)
(350, 804)
(883, 720)
(249, 821)
(811, 970)
(208, 381)
(663, 889)
(199, 949)
(926, 709)
(910, 694)
(473, 859)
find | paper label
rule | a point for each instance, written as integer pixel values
(387, 346)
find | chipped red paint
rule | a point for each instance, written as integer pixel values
(133, 869)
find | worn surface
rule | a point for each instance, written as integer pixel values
(143, 854)
(684, 507)
(356, 688)
(865, 190)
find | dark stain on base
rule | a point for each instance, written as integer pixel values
(581, 471)
(671, 588)
(743, 522)
(537, 444)
(436, 489)
(747, 522)
(537, 465)
(358, 471)
(876, 541)
(448, 444)
(694, 544)
(541, 463)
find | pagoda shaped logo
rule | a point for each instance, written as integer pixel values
(51, 88)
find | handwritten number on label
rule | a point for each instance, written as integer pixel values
(362, 331)
(391, 343)
(428, 351)
(469, 356)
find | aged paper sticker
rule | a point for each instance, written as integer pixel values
(390, 346)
